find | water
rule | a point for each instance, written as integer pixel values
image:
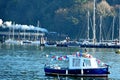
(26, 62)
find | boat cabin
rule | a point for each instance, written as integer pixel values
(82, 62)
(82, 65)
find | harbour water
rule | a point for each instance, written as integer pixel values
(26, 62)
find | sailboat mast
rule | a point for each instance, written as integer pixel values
(100, 28)
(119, 23)
(94, 32)
(38, 25)
(24, 34)
(13, 29)
(9, 32)
(88, 26)
(113, 28)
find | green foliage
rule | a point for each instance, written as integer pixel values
(105, 9)
(75, 20)
(63, 16)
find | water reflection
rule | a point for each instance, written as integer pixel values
(75, 78)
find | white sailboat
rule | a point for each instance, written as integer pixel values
(12, 40)
(89, 43)
(119, 27)
(36, 41)
(94, 31)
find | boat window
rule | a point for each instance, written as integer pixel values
(76, 63)
(86, 63)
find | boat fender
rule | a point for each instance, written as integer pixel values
(82, 71)
(66, 71)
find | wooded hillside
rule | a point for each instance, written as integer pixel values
(63, 16)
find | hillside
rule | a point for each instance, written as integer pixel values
(63, 16)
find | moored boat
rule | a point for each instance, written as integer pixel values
(83, 65)
(27, 42)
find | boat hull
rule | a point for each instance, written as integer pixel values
(99, 46)
(96, 72)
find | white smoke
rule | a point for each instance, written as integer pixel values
(8, 24)
(40, 29)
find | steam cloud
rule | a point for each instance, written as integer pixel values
(8, 24)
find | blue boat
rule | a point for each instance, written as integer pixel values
(83, 65)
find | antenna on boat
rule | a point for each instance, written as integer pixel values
(94, 32)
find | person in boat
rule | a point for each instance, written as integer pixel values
(86, 55)
(85, 50)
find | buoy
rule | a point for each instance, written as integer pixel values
(117, 51)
